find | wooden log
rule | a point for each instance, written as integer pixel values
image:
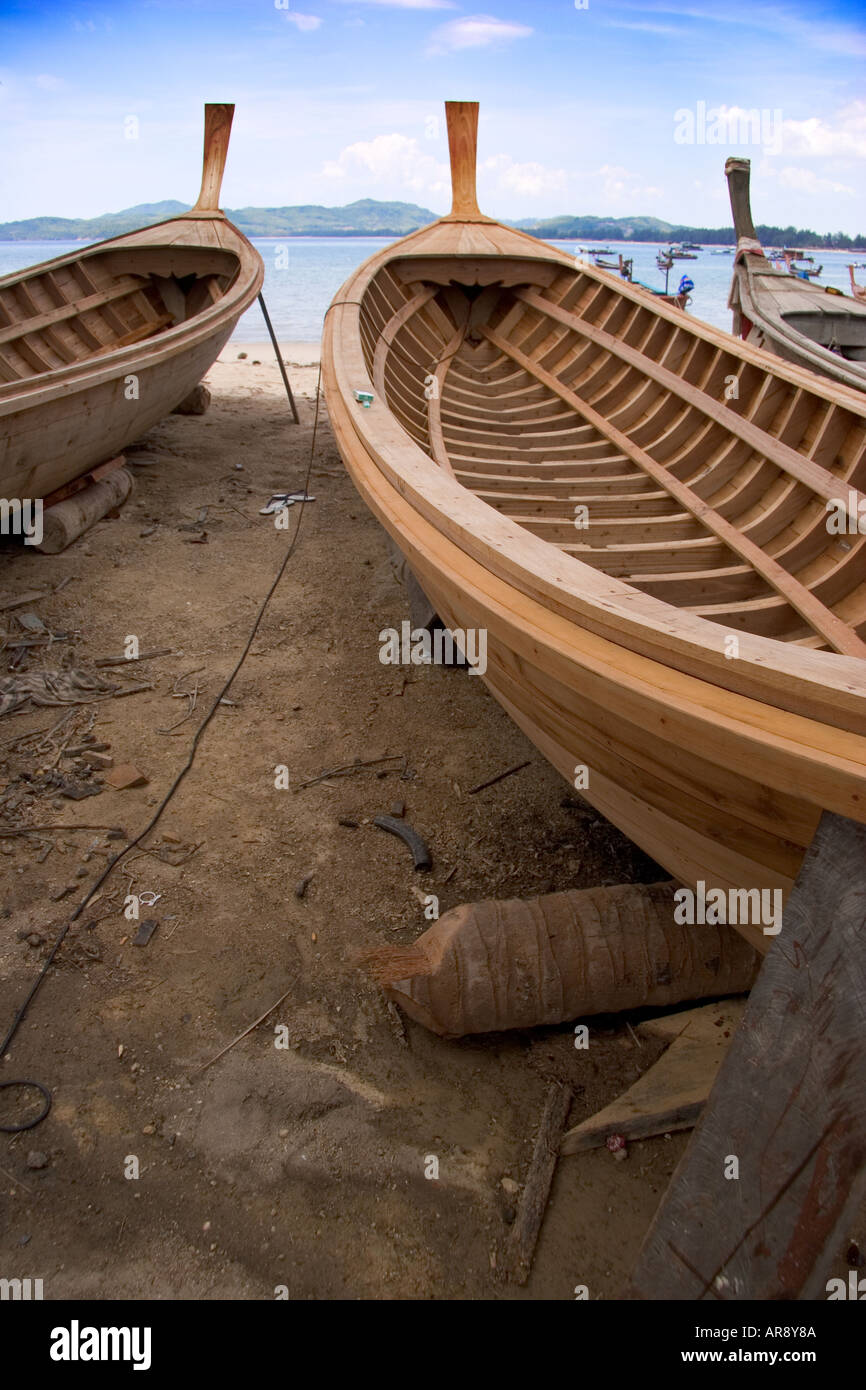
(787, 1105)
(488, 966)
(672, 1092)
(69, 519)
(533, 1202)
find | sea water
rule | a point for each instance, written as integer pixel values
(302, 274)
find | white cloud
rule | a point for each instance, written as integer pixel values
(644, 28)
(818, 33)
(406, 4)
(806, 180)
(306, 23)
(620, 185)
(476, 31)
(526, 180)
(395, 160)
(48, 82)
(842, 135)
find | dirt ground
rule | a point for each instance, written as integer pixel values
(303, 1166)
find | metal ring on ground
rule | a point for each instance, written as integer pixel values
(31, 1124)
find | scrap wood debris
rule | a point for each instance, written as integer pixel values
(360, 765)
(73, 687)
(533, 1202)
(500, 777)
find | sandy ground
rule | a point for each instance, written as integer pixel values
(304, 1165)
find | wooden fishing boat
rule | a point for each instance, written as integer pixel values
(682, 297)
(98, 345)
(814, 326)
(634, 506)
(858, 291)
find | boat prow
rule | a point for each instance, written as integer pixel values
(813, 325)
(634, 507)
(98, 345)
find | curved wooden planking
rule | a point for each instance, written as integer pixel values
(611, 643)
(98, 345)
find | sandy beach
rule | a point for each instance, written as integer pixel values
(297, 1157)
(278, 1166)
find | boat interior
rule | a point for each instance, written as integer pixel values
(89, 305)
(844, 332)
(628, 440)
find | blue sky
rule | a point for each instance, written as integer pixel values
(584, 110)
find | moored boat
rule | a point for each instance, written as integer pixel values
(814, 326)
(634, 507)
(98, 345)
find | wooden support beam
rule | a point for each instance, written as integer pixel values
(788, 1105)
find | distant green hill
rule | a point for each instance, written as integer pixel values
(364, 217)
(368, 217)
(90, 228)
(596, 229)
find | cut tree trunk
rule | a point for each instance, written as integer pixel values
(488, 966)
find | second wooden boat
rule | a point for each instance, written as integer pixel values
(635, 508)
(98, 345)
(812, 325)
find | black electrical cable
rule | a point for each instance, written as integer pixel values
(112, 863)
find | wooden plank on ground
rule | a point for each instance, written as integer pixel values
(788, 1105)
(670, 1094)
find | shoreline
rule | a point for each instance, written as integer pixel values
(295, 352)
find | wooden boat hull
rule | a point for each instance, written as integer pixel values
(811, 325)
(717, 767)
(99, 345)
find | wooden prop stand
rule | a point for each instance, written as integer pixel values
(787, 1105)
(279, 358)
